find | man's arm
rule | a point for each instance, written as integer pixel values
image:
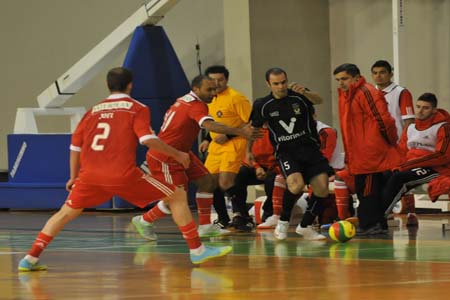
(246, 131)
(406, 108)
(376, 106)
(328, 140)
(74, 168)
(440, 157)
(313, 97)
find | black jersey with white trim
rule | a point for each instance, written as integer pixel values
(290, 120)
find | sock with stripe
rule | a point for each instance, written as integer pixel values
(342, 195)
(41, 242)
(156, 212)
(190, 234)
(277, 194)
(204, 202)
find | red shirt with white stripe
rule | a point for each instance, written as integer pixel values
(182, 123)
(107, 137)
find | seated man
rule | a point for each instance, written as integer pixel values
(426, 145)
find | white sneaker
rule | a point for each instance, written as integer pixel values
(271, 222)
(309, 234)
(211, 230)
(281, 230)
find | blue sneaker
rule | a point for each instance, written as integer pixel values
(26, 266)
(145, 230)
(210, 253)
(325, 227)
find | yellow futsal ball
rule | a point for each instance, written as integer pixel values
(342, 231)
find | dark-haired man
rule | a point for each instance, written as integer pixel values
(401, 108)
(182, 123)
(289, 118)
(226, 152)
(426, 145)
(370, 142)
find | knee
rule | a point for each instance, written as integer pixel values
(208, 186)
(225, 184)
(295, 187)
(321, 191)
(178, 197)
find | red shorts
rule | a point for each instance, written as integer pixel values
(175, 173)
(348, 178)
(140, 192)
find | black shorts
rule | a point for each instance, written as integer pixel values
(308, 161)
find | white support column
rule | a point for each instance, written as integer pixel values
(397, 25)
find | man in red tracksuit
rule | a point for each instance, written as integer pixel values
(370, 143)
(426, 145)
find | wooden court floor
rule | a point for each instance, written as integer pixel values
(98, 256)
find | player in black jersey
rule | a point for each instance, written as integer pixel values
(289, 116)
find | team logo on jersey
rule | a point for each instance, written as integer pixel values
(296, 108)
(289, 128)
(219, 114)
(274, 114)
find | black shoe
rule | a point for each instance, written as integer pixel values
(223, 224)
(372, 230)
(243, 224)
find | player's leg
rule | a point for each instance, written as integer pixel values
(170, 172)
(316, 173)
(148, 189)
(80, 197)
(275, 185)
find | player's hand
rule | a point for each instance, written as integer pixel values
(183, 158)
(251, 133)
(203, 147)
(69, 184)
(250, 158)
(260, 173)
(221, 139)
(297, 88)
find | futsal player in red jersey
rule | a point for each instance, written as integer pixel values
(103, 164)
(180, 129)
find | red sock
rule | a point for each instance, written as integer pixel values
(41, 242)
(154, 214)
(342, 199)
(190, 234)
(204, 202)
(277, 195)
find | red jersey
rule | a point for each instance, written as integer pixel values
(263, 152)
(107, 137)
(182, 123)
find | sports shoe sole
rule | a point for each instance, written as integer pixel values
(224, 251)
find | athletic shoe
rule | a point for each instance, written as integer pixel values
(271, 222)
(281, 230)
(412, 220)
(373, 230)
(325, 227)
(145, 229)
(210, 253)
(26, 266)
(211, 230)
(223, 224)
(309, 234)
(243, 224)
